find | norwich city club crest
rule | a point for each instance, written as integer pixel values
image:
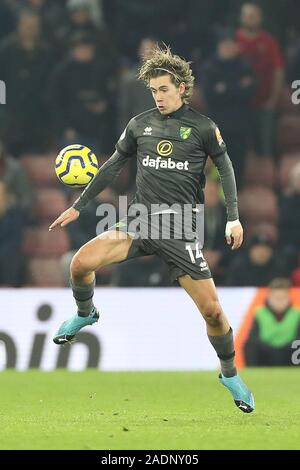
(185, 132)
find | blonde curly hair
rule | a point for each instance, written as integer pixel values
(161, 61)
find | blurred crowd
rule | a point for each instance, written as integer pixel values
(70, 73)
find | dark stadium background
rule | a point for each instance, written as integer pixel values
(45, 98)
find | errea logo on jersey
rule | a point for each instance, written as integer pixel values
(147, 131)
(158, 162)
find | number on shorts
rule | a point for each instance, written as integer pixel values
(198, 252)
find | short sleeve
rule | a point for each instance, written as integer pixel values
(214, 144)
(126, 144)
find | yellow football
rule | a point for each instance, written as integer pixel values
(76, 165)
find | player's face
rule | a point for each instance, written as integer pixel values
(167, 96)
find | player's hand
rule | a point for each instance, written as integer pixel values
(65, 218)
(234, 233)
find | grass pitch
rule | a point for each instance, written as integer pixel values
(146, 410)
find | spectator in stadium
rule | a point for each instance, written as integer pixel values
(84, 16)
(275, 326)
(52, 14)
(229, 85)
(11, 235)
(17, 183)
(264, 54)
(140, 19)
(289, 222)
(214, 219)
(80, 98)
(134, 97)
(257, 265)
(25, 63)
(86, 11)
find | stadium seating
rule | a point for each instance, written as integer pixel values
(44, 249)
(288, 133)
(40, 169)
(258, 204)
(49, 204)
(39, 242)
(260, 171)
(45, 273)
(268, 229)
(287, 162)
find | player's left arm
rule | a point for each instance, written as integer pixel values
(234, 229)
(216, 148)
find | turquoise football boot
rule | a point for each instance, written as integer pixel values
(69, 328)
(242, 396)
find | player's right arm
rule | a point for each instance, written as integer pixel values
(125, 149)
